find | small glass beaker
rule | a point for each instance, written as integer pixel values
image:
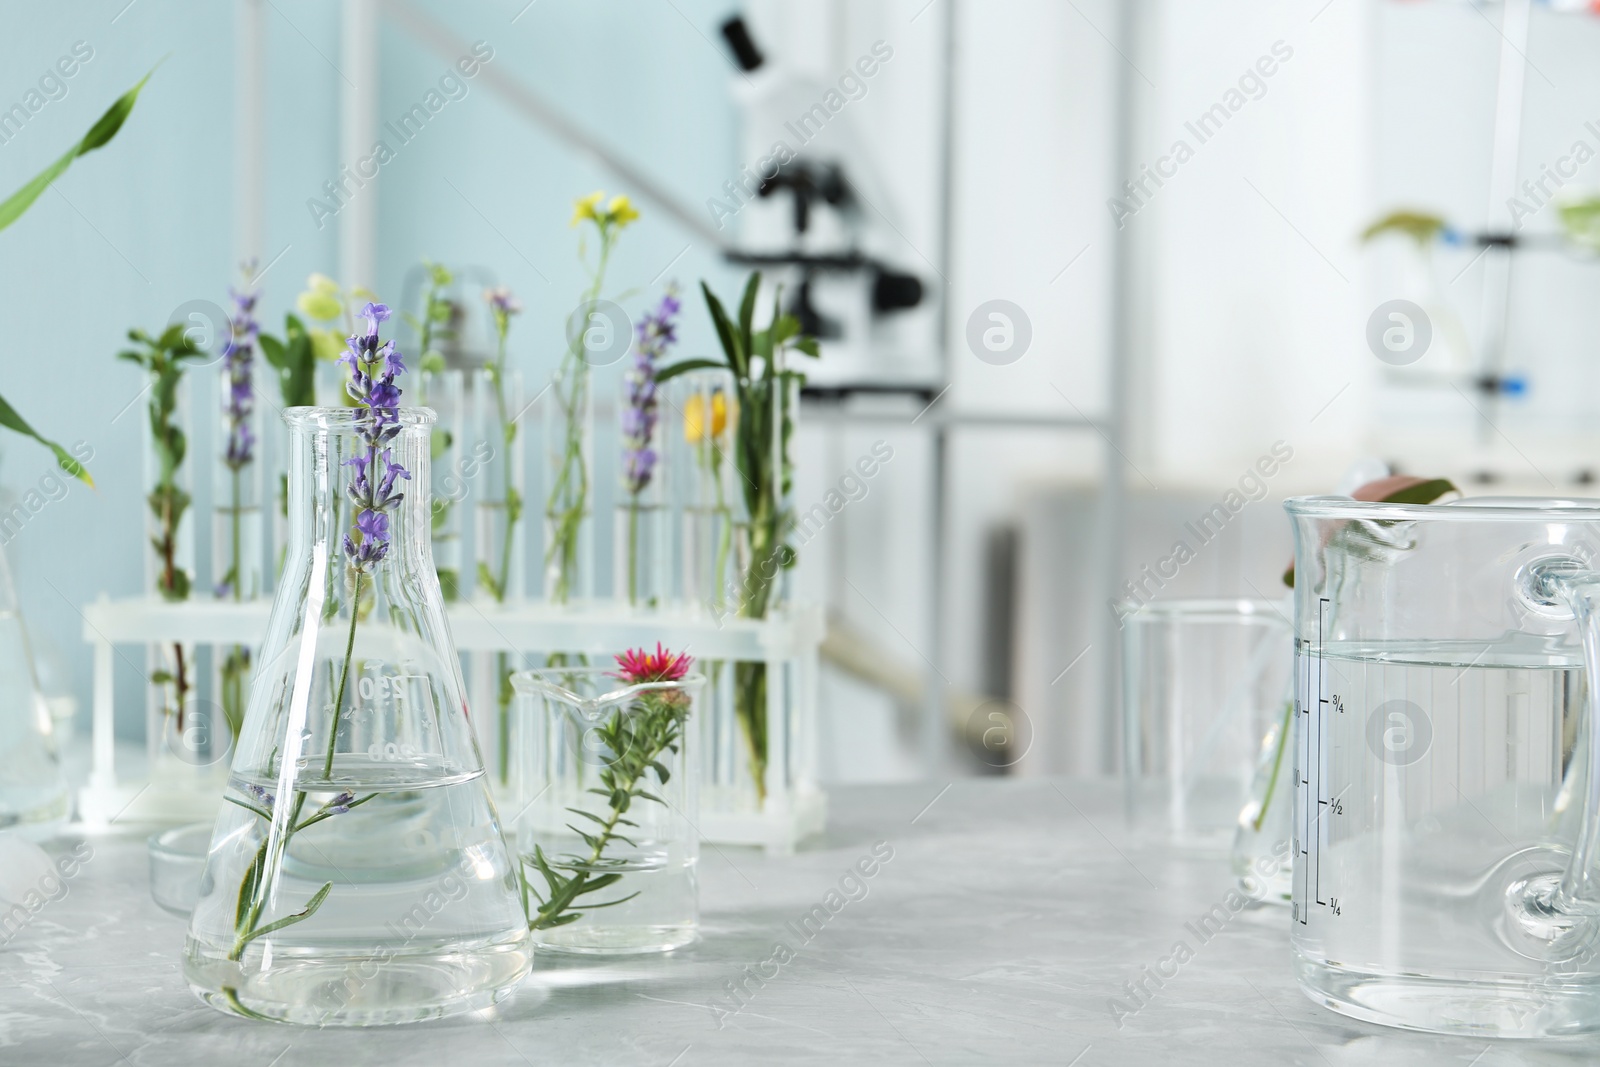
(1203, 682)
(1445, 754)
(605, 779)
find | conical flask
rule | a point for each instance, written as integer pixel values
(357, 873)
(32, 790)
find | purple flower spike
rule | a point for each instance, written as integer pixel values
(340, 804)
(237, 359)
(657, 331)
(374, 366)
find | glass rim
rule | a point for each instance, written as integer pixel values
(541, 682)
(347, 420)
(1531, 509)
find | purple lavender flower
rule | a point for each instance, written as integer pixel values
(373, 369)
(237, 357)
(238, 400)
(340, 804)
(657, 331)
(261, 796)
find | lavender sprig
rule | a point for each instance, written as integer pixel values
(238, 357)
(238, 410)
(656, 332)
(373, 370)
(374, 366)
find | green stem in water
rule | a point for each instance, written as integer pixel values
(1277, 763)
(569, 496)
(344, 675)
(638, 740)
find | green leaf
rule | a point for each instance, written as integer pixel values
(725, 333)
(289, 920)
(598, 882)
(808, 345)
(588, 839)
(11, 420)
(99, 134)
(247, 887)
(747, 308)
(589, 907)
(1417, 225)
(587, 815)
(661, 771)
(668, 373)
(486, 579)
(179, 589)
(783, 328)
(546, 922)
(1421, 493)
(274, 352)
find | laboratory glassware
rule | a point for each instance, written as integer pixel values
(1445, 820)
(32, 789)
(606, 783)
(357, 874)
(1203, 682)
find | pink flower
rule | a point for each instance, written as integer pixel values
(638, 666)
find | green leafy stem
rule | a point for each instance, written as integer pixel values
(254, 888)
(637, 737)
(164, 358)
(569, 495)
(761, 457)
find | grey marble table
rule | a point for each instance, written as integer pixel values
(1010, 915)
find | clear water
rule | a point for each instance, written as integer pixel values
(663, 916)
(422, 918)
(31, 787)
(1438, 790)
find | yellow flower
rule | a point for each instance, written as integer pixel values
(694, 416)
(319, 306)
(584, 207)
(321, 283)
(621, 211)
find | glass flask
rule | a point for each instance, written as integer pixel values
(32, 789)
(1203, 682)
(1445, 819)
(357, 873)
(603, 876)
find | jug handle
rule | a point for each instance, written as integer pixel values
(1564, 587)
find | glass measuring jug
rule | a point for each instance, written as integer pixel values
(1445, 750)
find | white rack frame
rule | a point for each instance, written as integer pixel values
(791, 813)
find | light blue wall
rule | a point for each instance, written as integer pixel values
(156, 226)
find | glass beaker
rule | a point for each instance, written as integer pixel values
(1445, 817)
(357, 873)
(606, 782)
(1203, 682)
